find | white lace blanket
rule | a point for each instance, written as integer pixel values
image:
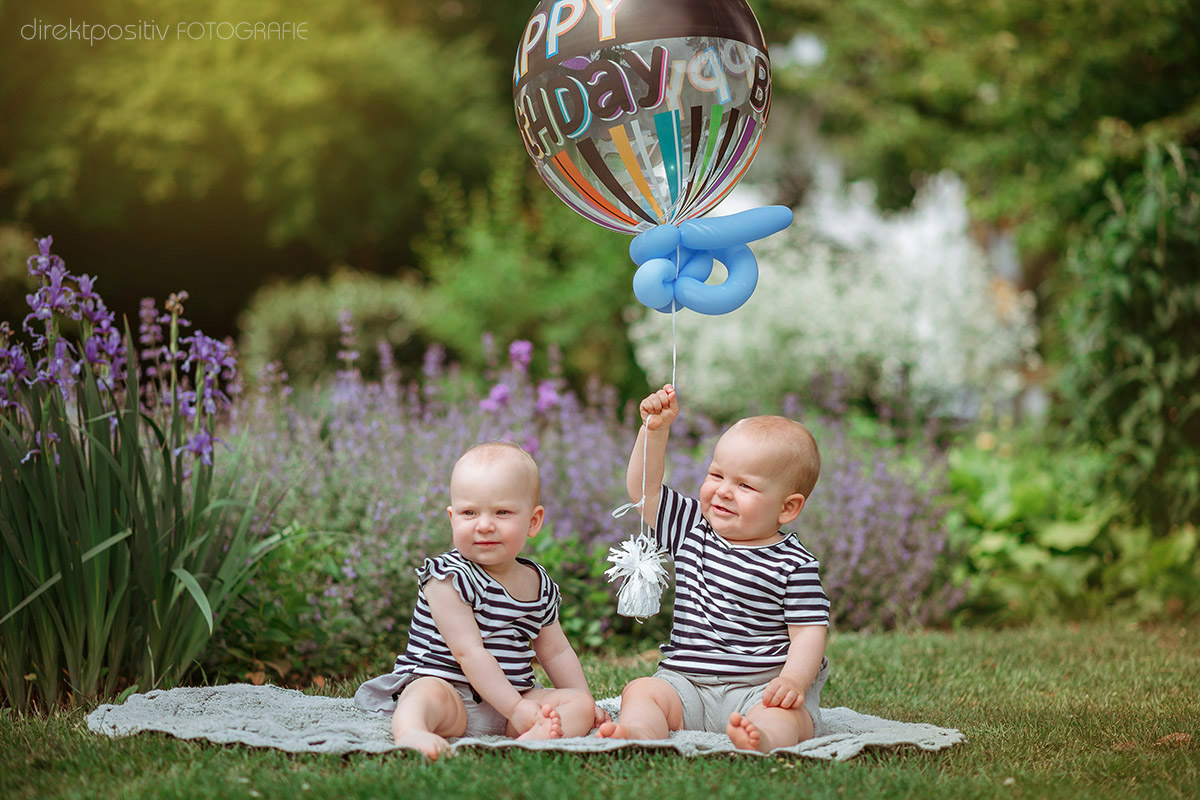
(285, 719)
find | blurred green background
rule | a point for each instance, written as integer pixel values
(221, 166)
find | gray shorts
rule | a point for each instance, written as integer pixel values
(382, 694)
(708, 700)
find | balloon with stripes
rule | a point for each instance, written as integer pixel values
(640, 113)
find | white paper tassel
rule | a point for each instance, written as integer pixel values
(640, 563)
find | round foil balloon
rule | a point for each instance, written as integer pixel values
(640, 113)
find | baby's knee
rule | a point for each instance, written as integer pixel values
(573, 697)
(651, 690)
(643, 687)
(654, 693)
(428, 691)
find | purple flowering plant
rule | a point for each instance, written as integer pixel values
(120, 549)
(363, 467)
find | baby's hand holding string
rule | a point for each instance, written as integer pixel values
(660, 409)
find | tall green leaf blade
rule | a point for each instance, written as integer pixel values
(196, 592)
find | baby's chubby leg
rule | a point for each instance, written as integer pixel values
(650, 709)
(573, 708)
(428, 711)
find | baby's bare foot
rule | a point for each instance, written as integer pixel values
(547, 726)
(611, 730)
(429, 744)
(744, 734)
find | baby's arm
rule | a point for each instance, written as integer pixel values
(647, 462)
(455, 620)
(805, 652)
(558, 658)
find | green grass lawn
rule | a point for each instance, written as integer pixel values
(1100, 710)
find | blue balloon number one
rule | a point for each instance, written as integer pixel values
(675, 261)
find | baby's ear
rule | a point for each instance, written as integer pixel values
(792, 504)
(535, 521)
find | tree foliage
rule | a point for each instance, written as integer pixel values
(326, 137)
(515, 262)
(1031, 102)
(1131, 312)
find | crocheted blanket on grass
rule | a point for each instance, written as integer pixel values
(289, 720)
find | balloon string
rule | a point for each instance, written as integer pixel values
(674, 354)
(674, 364)
(643, 525)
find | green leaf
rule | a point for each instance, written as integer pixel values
(993, 542)
(197, 593)
(1029, 558)
(36, 593)
(1069, 535)
(56, 577)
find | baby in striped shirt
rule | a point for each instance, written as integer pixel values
(482, 613)
(746, 654)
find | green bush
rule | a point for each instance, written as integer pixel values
(512, 263)
(299, 324)
(301, 619)
(1042, 538)
(516, 263)
(1131, 325)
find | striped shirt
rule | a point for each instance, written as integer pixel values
(733, 605)
(507, 624)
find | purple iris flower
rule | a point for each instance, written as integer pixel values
(200, 445)
(51, 299)
(44, 260)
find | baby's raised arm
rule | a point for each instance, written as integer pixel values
(647, 461)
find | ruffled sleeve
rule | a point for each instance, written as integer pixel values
(462, 574)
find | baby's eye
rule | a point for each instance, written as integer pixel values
(467, 512)
(745, 486)
(503, 513)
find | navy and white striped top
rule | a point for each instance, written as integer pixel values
(506, 623)
(733, 605)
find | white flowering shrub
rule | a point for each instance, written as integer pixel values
(897, 309)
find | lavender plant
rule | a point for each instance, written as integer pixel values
(119, 550)
(877, 522)
(363, 466)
